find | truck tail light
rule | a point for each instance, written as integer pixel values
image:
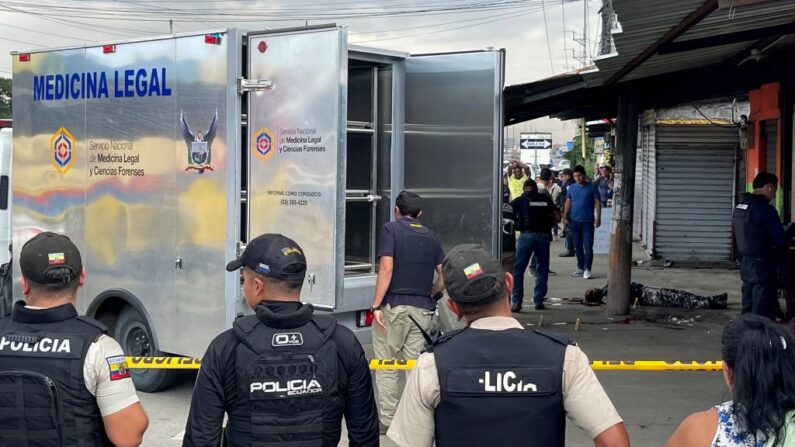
(214, 39)
(24, 57)
(107, 49)
(364, 318)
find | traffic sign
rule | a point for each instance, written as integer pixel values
(535, 140)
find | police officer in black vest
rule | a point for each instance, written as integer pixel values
(762, 243)
(495, 383)
(65, 382)
(405, 294)
(536, 214)
(284, 376)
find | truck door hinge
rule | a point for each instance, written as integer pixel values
(253, 85)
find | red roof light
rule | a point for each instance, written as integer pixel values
(214, 39)
(108, 49)
(24, 57)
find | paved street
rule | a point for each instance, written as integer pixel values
(652, 403)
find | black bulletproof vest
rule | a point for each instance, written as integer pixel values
(500, 388)
(752, 240)
(508, 225)
(288, 376)
(533, 213)
(415, 260)
(43, 397)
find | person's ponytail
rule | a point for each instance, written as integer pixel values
(761, 357)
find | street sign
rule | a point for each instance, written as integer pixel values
(535, 140)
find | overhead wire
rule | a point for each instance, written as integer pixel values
(512, 16)
(565, 45)
(546, 32)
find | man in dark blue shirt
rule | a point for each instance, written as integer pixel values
(405, 294)
(583, 212)
(762, 243)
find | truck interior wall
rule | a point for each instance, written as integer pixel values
(451, 108)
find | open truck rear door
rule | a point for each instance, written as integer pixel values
(453, 144)
(296, 148)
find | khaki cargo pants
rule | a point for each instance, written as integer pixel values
(401, 340)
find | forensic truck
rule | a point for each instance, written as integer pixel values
(161, 157)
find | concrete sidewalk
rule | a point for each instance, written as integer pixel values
(651, 403)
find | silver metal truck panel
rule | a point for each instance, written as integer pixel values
(296, 161)
(107, 163)
(46, 196)
(453, 117)
(5, 196)
(204, 196)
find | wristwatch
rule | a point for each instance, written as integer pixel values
(373, 309)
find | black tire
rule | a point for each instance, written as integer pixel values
(136, 339)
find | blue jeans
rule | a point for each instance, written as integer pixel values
(530, 244)
(760, 287)
(582, 236)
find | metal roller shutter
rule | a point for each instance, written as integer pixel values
(649, 183)
(695, 170)
(637, 210)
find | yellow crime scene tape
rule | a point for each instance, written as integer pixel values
(382, 364)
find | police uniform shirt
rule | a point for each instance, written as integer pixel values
(115, 390)
(584, 399)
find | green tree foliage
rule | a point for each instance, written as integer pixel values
(5, 98)
(575, 156)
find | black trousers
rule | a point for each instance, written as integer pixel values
(760, 288)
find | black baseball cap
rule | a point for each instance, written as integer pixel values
(274, 256)
(471, 274)
(48, 251)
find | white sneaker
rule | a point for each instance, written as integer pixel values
(586, 274)
(578, 272)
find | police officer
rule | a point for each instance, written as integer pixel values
(284, 376)
(495, 383)
(404, 302)
(762, 243)
(77, 390)
(535, 215)
(508, 231)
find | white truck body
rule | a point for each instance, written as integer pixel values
(161, 157)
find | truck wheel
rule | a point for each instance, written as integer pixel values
(133, 334)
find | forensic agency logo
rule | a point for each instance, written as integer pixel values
(199, 145)
(264, 143)
(62, 146)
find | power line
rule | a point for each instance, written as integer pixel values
(512, 16)
(565, 45)
(46, 33)
(546, 32)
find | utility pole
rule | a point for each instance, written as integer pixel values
(585, 55)
(608, 18)
(619, 275)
